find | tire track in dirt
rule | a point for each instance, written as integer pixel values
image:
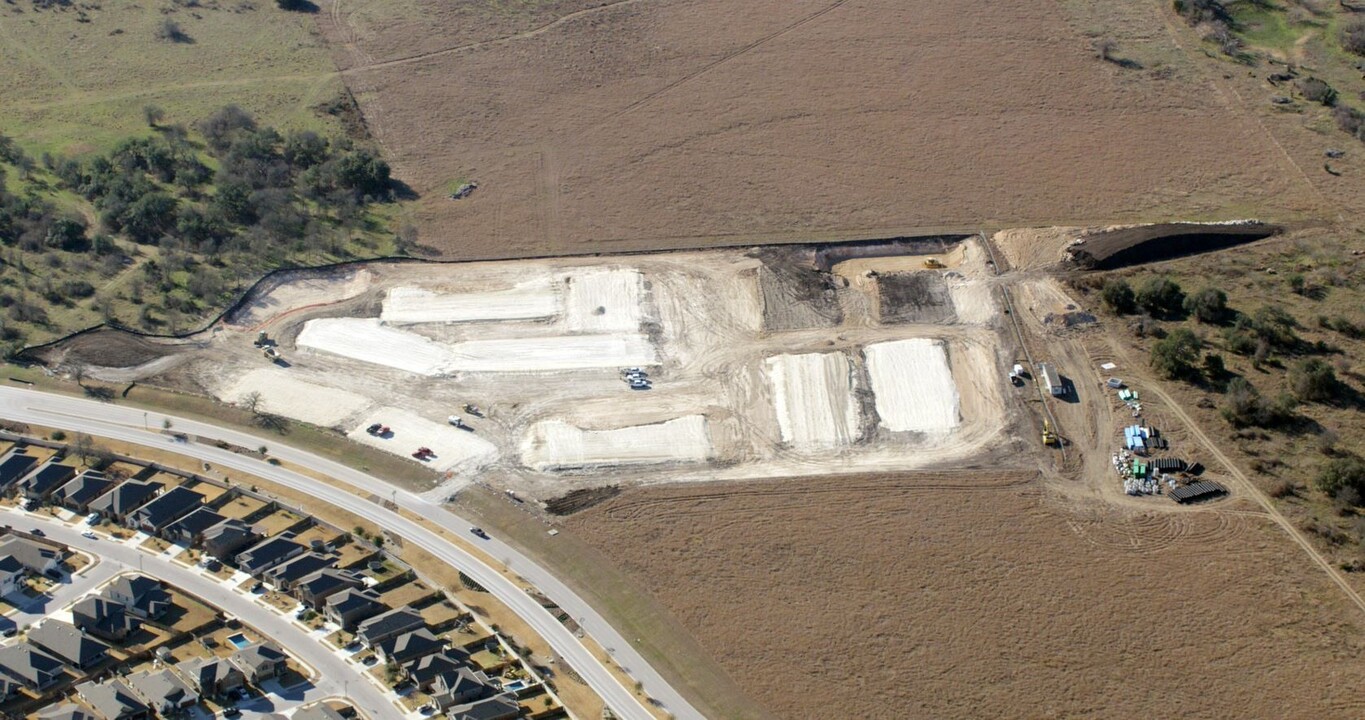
(721, 61)
(533, 32)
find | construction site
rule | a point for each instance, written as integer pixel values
(545, 376)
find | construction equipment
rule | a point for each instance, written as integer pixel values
(1049, 437)
(261, 339)
(456, 420)
(473, 410)
(934, 264)
(423, 454)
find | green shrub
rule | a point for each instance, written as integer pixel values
(1161, 297)
(1209, 305)
(1174, 356)
(1118, 296)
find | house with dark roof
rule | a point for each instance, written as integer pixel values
(317, 711)
(349, 608)
(124, 498)
(227, 538)
(26, 665)
(268, 553)
(49, 476)
(12, 575)
(212, 677)
(66, 642)
(286, 574)
(163, 690)
(35, 556)
(168, 507)
(189, 530)
(314, 589)
(140, 595)
(498, 707)
(386, 625)
(408, 646)
(459, 686)
(15, 464)
(104, 619)
(113, 700)
(259, 662)
(424, 670)
(67, 711)
(82, 490)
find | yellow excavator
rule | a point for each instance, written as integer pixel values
(934, 264)
(1049, 437)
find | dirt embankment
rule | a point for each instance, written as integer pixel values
(1150, 243)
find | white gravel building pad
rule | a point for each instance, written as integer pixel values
(529, 300)
(548, 354)
(366, 340)
(458, 451)
(557, 445)
(606, 301)
(814, 399)
(913, 385)
(283, 394)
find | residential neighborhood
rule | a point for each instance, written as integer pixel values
(136, 647)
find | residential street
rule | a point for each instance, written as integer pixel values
(128, 424)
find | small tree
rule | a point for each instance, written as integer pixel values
(1161, 297)
(251, 402)
(1209, 305)
(1174, 356)
(170, 31)
(1118, 296)
(153, 115)
(1214, 369)
(1312, 380)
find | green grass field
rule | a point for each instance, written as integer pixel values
(76, 80)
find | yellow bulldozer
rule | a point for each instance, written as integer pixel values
(934, 264)
(1050, 438)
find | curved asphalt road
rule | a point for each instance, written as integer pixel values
(335, 677)
(127, 424)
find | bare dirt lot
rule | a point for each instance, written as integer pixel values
(991, 597)
(649, 124)
(585, 370)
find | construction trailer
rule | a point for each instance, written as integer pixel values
(1051, 380)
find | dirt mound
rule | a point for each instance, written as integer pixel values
(103, 347)
(1150, 243)
(580, 500)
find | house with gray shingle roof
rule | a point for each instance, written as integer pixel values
(15, 464)
(48, 477)
(227, 538)
(349, 608)
(423, 671)
(212, 677)
(258, 662)
(66, 642)
(35, 556)
(30, 667)
(140, 595)
(314, 589)
(104, 618)
(124, 498)
(189, 530)
(317, 711)
(286, 574)
(82, 490)
(462, 685)
(168, 507)
(67, 711)
(12, 575)
(163, 690)
(408, 646)
(268, 553)
(113, 700)
(386, 625)
(498, 707)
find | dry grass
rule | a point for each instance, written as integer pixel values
(660, 125)
(981, 598)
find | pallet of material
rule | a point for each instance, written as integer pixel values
(1196, 491)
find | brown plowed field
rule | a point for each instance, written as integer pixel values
(679, 123)
(971, 595)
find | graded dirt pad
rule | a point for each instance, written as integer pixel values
(556, 445)
(536, 299)
(913, 297)
(282, 393)
(813, 396)
(984, 595)
(914, 387)
(367, 340)
(684, 123)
